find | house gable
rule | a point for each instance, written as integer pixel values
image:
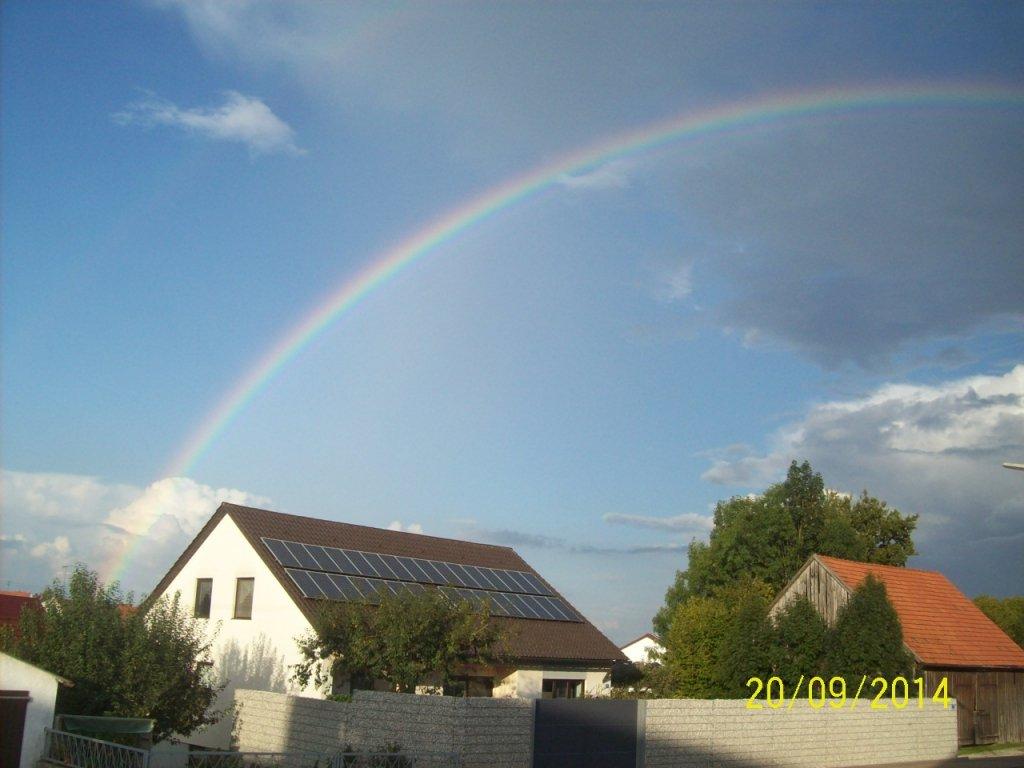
(223, 554)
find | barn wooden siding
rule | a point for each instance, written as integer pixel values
(815, 582)
(990, 703)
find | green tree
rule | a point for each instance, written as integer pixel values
(691, 667)
(768, 537)
(800, 642)
(747, 642)
(885, 535)
(143, 664)
(1008, 613)
(867, 638)
(408, 639)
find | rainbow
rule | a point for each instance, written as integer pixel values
(727, 117)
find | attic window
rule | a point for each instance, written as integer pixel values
(204, 594)
(243, 598)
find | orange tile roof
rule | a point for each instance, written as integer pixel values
(940, 624)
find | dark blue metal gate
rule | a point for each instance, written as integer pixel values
(573, 733)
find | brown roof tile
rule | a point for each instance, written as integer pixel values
(545, 642)
(940, 624)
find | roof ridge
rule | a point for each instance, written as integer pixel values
(900, 568)
(225, 504)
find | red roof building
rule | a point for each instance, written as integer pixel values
(11, 605)
(947, 634)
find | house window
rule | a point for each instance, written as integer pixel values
(243, 598)
(470, 686)
(204, 593)
(562, 689)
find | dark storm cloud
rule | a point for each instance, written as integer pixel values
(857, 237)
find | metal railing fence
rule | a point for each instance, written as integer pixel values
(84, 752)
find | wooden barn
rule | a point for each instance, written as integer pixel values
(946, 633)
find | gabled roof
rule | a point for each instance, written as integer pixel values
(941, 626)
(541, 641)
(644, 636)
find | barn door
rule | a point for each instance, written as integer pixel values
(12, 715)
(986, 710)
(962, 687)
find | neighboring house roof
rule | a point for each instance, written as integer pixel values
(542, 641)
(645, 636)
(11, 605)
(60, 680)
(940, 624)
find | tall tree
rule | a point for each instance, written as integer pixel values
(800, 642)
(1008, 613)
(768, 537)
(692, 647)
(123, 663)
(408, 639)
(746, 648)
(867, 638)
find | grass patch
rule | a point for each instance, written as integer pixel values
(982, 749)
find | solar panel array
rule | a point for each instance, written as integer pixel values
(333, 573)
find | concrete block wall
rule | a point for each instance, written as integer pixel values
(276, 722)
(483, 732)
(681, 733)
(494, 732)
(714, 734)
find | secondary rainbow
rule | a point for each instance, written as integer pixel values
(727, 117)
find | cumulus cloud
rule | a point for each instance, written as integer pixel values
(240, 118)
(54, 520)
(686, 522)
(935, 450)
(396, 525)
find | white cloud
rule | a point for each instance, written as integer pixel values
(674, 281)
(55, 552)
(687, 521)
(611, 175)
(240, 118)
(930, 449)
(52, 520)
(396, 525)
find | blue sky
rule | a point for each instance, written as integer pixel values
(580, 376)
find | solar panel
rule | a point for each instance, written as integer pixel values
(329, 588)
(281, 553)
(301, 555)
(304, 582)
(322, 558)
(351, 575)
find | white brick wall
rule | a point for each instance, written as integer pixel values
(708, 734)
(483, 732)
(682, 733)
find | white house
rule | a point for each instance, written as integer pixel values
(639, 651)
(28, 696)
(258, 576)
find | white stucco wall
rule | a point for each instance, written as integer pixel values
(638, 651)
(529, 683)
(16, 675)
(254, 653)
